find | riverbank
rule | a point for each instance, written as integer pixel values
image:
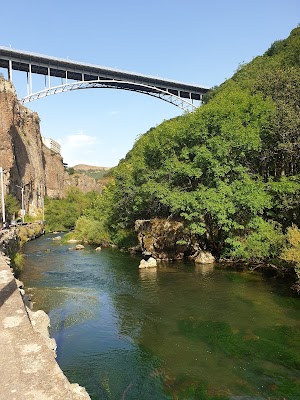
(28, 368)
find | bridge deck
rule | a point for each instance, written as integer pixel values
(78, 71)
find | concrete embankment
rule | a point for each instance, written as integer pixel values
(28, 369)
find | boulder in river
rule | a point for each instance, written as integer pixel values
(77, 247)
(205, 257)
(150, 263)
(165, 239)
(72, 241)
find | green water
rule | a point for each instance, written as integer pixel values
(179, 332)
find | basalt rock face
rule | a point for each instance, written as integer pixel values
(25, 160)
(55, 174)
(166, 239)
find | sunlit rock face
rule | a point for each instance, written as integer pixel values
(25, 160)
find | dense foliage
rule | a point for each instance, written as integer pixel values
(230, 171)
(62, 214)
(11, 206)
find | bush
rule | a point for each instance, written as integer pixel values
(262, 240)
(291, 251)
(62, 214)
(17, 260)
(126, 238)
(91, 231)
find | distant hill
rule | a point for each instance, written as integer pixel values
(84, 167)
(92, 171)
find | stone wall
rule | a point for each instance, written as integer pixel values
(13, 238)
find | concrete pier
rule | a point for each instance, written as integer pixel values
(28, 369)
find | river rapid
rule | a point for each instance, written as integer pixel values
(180, 331)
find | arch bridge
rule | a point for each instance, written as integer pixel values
(77, 75)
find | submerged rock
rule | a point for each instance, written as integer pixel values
(77, 247)
(57, 238)
(72, 241)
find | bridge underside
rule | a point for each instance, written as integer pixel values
(186, 105)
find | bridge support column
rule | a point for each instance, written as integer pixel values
(30, 80)
(27, 76)
(10, 70)
(49, 81)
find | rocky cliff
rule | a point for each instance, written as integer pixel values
(26, 161)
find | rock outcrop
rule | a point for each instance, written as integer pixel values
(170, 240)
(55, 174)
(166, 239)
(205, 257)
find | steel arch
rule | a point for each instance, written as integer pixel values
(114, 84)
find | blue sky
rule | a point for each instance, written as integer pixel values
(192, 41)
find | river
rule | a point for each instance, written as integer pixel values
(179, 332)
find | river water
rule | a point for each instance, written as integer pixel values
(179, 332)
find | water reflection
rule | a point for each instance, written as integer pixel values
(204, 269)
(148, 275)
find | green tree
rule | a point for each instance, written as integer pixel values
(11, 206)
(62, 214)
(91, 231)
(229, 171)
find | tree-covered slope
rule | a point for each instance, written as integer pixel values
(229, 171)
